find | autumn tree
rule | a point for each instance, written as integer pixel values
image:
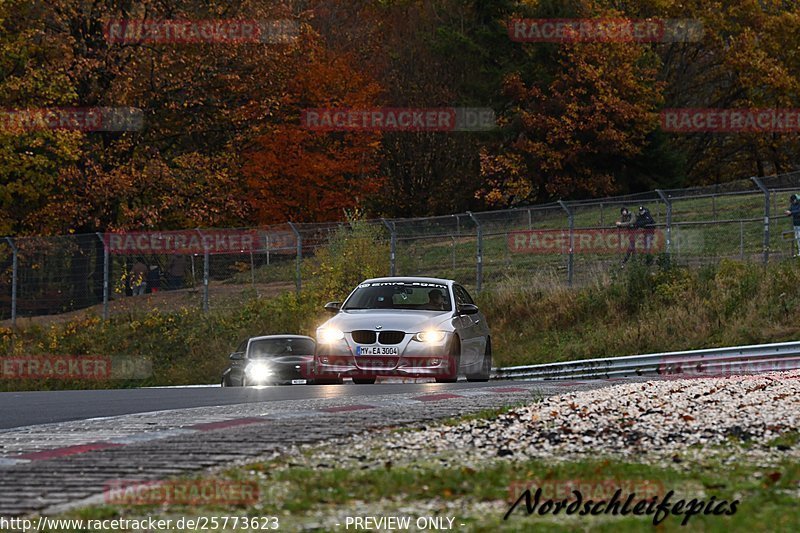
(576, 116)
(301, 174)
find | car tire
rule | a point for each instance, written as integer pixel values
(454, 358)
(364, 381)
(486, 368)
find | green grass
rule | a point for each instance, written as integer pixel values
(480, 497)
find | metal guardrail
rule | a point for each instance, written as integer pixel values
(714, 362)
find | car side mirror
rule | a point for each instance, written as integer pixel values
(236, 356)
(467, 309)
(333, 307)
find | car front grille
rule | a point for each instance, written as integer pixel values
(391, 337)
(363, 336)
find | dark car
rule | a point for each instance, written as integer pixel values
(271, 360)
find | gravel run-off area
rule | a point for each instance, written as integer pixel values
(634, 421)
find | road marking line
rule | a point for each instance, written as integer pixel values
(64, 452)
(151, 435)
(210, 426)
(344, 408)
(508, 389)
(436, 397)
(7, 461)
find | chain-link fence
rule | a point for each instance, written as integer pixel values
(572, 243)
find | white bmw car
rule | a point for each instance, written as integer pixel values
(404, 327)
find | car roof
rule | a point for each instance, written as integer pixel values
(440, 281)
(264, 337)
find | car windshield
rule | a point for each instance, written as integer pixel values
(276, 347)
(400, 295)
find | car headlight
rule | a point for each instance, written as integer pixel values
(258, 371)
(329, 335)
(430, 336)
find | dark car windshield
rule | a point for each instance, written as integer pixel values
(400, 295)
(276, 347)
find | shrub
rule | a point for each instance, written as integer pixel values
(353, 253)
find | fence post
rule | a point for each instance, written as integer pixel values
(479, 254)
(668, 205)
(252, 269)
(741, 240)
(105, 275)
(206, 269)
(298, 258)
(571, 257)
(761, 186)
(392, 245)
(453, 253)
(14, 265)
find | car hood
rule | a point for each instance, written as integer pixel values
(408, 321)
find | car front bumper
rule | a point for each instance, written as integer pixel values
(370, 366)
(415, 359)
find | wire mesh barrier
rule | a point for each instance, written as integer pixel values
(563, 243)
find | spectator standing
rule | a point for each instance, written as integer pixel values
(154, 278)
(138, 278)
(176, 270)
(647, 224)
(627, 223)
(794, 212)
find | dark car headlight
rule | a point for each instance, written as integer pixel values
(258, 371)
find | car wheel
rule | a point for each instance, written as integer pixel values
(454, 359)
(486, 369)
(364, 381)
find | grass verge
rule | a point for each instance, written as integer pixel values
(318, 498)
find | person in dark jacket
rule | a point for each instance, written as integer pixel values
(627, 223)
(647, 224)
(794, 212)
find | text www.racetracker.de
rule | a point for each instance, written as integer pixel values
(198, 523)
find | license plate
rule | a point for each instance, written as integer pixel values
(377, 350)
(298, 382)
